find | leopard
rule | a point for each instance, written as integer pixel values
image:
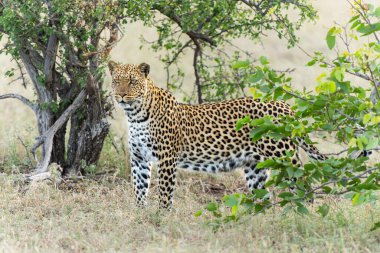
(169, 135)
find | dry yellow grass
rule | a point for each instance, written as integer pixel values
(100, 216)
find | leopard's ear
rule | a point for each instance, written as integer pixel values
(112, 66)
(144, 68)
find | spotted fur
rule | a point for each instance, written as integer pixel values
(202, 137)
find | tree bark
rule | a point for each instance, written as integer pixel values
(87, 134)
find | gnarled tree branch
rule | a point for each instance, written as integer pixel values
(23, 99)
(47, 137)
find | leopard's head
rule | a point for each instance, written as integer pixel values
(129, 82)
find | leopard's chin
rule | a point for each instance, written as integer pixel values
(125, 105)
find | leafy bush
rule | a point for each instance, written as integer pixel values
(340, 107)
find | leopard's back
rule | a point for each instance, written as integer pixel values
(210, 141)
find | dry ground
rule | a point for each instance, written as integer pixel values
(100, 216)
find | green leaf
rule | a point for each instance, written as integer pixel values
(375, 226)
(312, 62)
(257, 76)
(331, 87)
(242, 122)
(302, 105)
(372, 143)
(326, 189)
(360, 144)
(240, 64)
(354, 18)
(355, 24)
(257, 133)
(327, 168)
(302, 210)
(277, 92)
(352, 142)
(232, 199)
(298, 173)
(376, 13)
(285, 195)
(309, 166)
(326, 87)
(261, 193)
(323, 210)
(367, 117)
(212, 206)
(290, 171)
(263, 60)
(267, 163)
(199, 213)
(357, 199)
(258, 208)
(368, 29)
(338, 75)
(330, 38)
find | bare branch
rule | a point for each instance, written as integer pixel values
(51, 53)
(23, 99)
(375, 94)
(338, 180)
(197, 52)
(33, 74)
(194, 35)
(345, 150)
(22, 74)
(26, 149)
(51, 50)
(174, 58)
(47, 137)
(112, 41)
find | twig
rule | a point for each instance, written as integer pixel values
(363, 16)
(347, 116)
(288, 92)
(336, 181)
(177, 19)
(110, 44)
(115, 146)
(23, 99)
(338, 153)
(314, 190)
(26, 149)
(196, 73)
(174, 58)
(376, 84)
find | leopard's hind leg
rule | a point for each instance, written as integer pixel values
(255, 178)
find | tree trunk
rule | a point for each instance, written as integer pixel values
(59, 147)
(87, 133)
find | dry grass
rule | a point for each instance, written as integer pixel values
(100, 216)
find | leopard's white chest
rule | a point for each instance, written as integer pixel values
(140, 141)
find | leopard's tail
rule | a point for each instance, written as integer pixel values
(311, 150)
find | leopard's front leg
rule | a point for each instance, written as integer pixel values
(167, 181)
(141, 173)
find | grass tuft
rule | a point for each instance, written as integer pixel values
(100, 216)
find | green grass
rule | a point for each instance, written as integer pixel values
(100, 216)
